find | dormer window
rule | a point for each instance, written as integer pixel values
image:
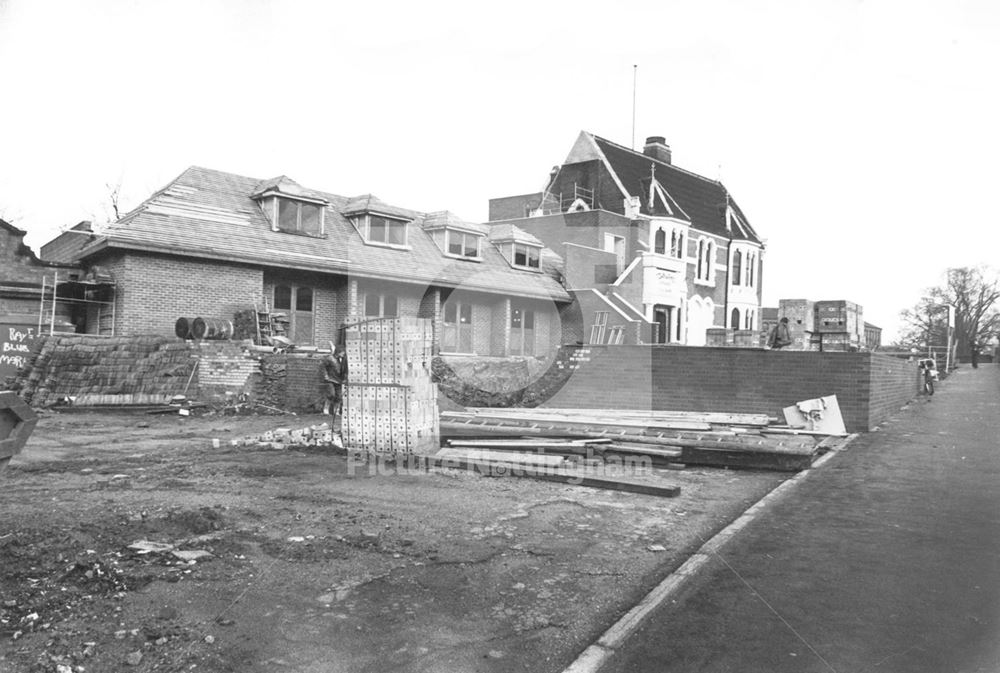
(527, 256)
(464, 244)
(290, 208)
(381, 230)
(299, 217)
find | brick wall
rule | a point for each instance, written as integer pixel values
(588, 267)
(869, 387)
(893, 383)
(305, 390)
(513, 207)
(21, 274)
(154, 290)
(223, 365)
(18, 264)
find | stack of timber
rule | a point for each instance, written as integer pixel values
(390, 402)
(663, 437)
(578, 462)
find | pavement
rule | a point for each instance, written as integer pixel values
(887, 558)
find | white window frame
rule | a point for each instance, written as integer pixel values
(464, 236)
(705, 261)
(381, 304)
(459, 327)
(528, 249)
(597, 329)
(271, 208)
(363, 224)
(519, 333)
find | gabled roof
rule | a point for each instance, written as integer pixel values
(286, 186)
(369, 203)
(699, 200)
(508, 232)
(209, 214)
(445, 219)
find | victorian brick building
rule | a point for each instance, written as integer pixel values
(650, 252)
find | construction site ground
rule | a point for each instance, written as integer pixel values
(312, 568)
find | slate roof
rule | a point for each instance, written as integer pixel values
(702, 201)
(210, 214)
(509, 232)
(445, 219)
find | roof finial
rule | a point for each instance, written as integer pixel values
(652, 181)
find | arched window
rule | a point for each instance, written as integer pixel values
(701, 259)
(751, 265)
(734, 319)
(660, 241)
(737, 267)
(709, 260)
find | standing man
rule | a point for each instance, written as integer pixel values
(335, 376)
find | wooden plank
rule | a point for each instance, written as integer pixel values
(588, 421)
(514, 457)
(521, 443)
(781, 462)
(745, 441)
(570, 476)
(724, 418)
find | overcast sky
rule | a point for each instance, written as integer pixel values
(860, 138)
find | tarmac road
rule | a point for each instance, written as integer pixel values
(885, 559)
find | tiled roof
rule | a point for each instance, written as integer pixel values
(369, 203)
(210, 214)
(508, 232)
(284, 185)
(446, 219)
(703, 201)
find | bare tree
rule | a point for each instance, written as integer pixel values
(974, 292)
(114, 193)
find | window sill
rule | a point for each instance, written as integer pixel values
(464, 258)
(525, 268)
(299, 233)
(704, 283)
(457, 354)
(390, 246)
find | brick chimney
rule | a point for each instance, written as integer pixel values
(657, 147)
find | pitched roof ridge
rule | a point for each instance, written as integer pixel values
(658, 161)
(155, 195)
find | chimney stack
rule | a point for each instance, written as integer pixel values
(657, 148)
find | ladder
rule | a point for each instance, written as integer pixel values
(262, 312)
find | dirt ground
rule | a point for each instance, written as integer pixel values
(313, 568)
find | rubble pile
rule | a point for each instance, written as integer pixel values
(285, 438)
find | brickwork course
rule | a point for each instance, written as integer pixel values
(869, 386)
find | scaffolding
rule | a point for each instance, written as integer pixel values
(76, 307)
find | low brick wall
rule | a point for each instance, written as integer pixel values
(868, 386)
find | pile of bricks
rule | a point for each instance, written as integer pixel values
(390, 402)
(90, 370)
(285, 438)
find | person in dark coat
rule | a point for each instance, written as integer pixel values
(780, 335)
(334, 378)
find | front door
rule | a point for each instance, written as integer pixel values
(661, 316)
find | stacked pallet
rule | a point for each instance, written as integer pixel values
(390, 402)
